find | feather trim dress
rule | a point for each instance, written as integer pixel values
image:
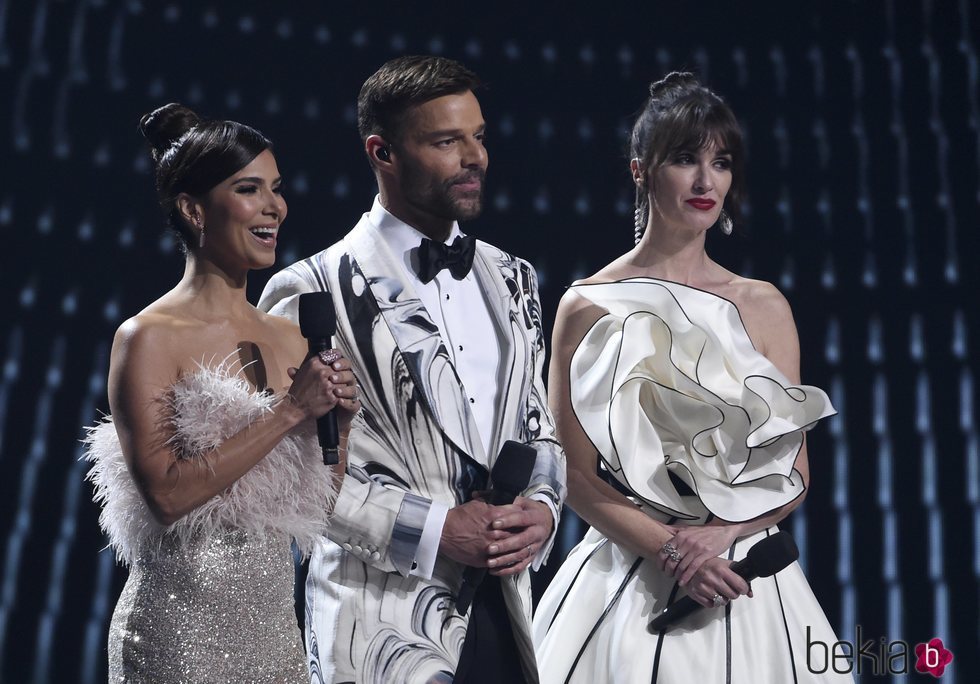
(691, 422)
(210, 597)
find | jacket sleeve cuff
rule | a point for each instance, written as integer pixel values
(428, 548)
(407, 532)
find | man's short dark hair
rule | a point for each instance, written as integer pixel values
(403, 83)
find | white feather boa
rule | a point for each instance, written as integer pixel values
(289, 493)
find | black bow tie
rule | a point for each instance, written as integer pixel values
(435, 256)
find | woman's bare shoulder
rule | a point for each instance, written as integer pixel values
(758, 299)
(153, 325)
(575, 317)
(155, 336)
(767, 317)
(610, 273)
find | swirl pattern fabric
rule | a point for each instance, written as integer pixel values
(415, 441)
(669, 387)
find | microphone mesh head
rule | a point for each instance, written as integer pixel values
(513, 467)
(317, 318)
(772, 554)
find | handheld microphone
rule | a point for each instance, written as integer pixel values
(318, 323)
(765, 558)
(509, 477)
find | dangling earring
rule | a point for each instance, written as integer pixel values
(200, 235)
(639, 220)
(725, 223)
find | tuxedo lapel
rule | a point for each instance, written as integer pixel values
(497, 274)
(417, 339)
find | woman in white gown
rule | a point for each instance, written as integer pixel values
(684, 378)
(209, 466)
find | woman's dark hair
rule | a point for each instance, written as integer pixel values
(193, 155)
(683, 115)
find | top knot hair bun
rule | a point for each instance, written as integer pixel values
(165, 125)
(674, 80)
(194, 154)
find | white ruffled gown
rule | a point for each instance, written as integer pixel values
(691, 420)
(210, 597)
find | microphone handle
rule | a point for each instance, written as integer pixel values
(683, 607)
(501, 497)
(678, 610)
(326, 425)
(472, 577)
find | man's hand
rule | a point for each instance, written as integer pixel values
(524, 526)
(468, 533)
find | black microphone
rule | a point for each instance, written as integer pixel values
(318, 323)
(765, 558)
(509, 477)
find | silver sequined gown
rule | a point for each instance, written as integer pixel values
(210, 598)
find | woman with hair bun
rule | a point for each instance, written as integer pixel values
(681, 379)
(209, 466)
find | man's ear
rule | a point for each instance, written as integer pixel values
(378, 151)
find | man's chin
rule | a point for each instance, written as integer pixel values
(467, 210)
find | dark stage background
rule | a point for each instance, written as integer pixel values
(863, 130)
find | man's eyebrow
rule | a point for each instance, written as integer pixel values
(451, 132)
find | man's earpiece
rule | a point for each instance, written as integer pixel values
(383, 154)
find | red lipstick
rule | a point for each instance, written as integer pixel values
(702, 203)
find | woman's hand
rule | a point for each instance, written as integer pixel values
(528, 524)
(148, 355)
(348, 394)
(322, 382)
(715, 578)
(695, 546)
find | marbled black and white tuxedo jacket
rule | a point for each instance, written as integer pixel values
(415, 441)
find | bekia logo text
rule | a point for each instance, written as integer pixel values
(881, 657)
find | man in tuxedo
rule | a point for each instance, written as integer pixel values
(444, 334)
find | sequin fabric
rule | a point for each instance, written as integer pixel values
(220, 611)
(210, 597)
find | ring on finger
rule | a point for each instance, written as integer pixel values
(328, 356)
(718, 600)
(671, 551)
